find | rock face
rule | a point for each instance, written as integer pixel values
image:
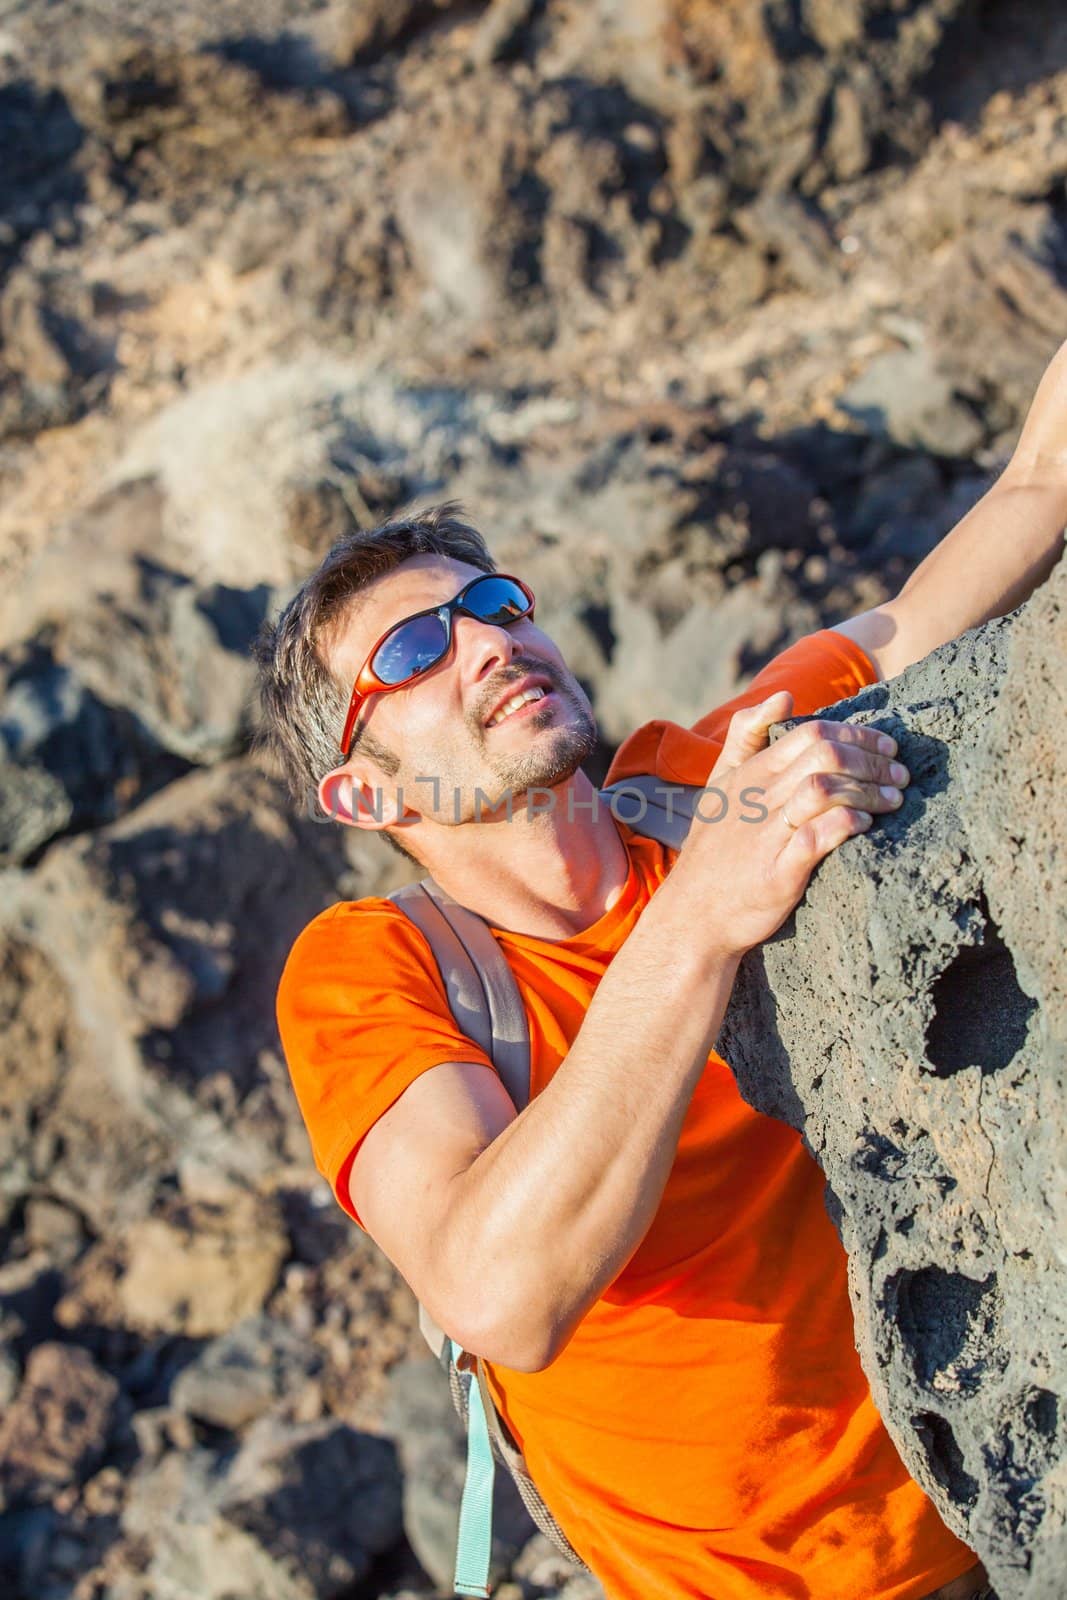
(910, 1021)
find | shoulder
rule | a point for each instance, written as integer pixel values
(361, 995)
(350, 923)
(361, 1013)
(358, 942)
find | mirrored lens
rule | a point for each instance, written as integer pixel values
(496, 600)
(409, 649)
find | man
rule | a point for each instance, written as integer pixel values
(644, 1263)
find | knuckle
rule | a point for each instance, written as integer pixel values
(820, 759)
(805, 735)
(826, 753)
(837, 826)
(821, 785)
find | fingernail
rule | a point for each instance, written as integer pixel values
(865, 817)
(887, 745)
(889, 793)
(897, 772)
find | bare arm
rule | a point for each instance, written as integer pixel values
(995, 557)
(509, 1227)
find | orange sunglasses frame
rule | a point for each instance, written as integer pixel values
(367, 680)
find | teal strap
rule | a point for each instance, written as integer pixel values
(475, 1541)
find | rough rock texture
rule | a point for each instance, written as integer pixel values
(910, 1022)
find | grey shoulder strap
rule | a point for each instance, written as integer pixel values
(653, 807)
(480, 985)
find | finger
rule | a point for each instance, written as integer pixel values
(823, 790)
(748, 730)
(833, 746)
(820, 773)
(808, 843)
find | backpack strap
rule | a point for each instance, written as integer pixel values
(505, 1449)
(480, 986)
(649, 806)
(485, 1002)
(474, 1536)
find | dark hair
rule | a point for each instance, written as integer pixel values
(302, 702)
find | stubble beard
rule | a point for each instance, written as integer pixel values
(552, 760)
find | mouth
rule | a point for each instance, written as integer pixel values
(519, 700)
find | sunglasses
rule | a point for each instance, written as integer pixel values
(411, 647)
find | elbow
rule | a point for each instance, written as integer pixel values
(508, 1301)
(530, 1355)
(521, 1343)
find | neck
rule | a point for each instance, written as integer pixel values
(551, 874)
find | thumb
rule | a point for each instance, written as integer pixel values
(747, 733)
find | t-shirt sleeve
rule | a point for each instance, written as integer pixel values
(362, 1013)
(820, 669)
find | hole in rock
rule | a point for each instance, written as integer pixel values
(1020, 1453)
(879, 1156)
(945, 1458)
(1042, 1412)
(950, 1327)
(981, 1014)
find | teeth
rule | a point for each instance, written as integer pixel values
(514, 703)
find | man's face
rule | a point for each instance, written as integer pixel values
(447, 723)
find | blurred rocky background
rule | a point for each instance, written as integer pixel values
(716, 314)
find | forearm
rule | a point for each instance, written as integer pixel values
(993, 559)
(991, 562)
(579, 1175)
(1008, 544)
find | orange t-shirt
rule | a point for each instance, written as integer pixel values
(708, 1432)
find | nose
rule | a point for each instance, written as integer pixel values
(481, 647)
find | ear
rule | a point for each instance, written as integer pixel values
(353, 798)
